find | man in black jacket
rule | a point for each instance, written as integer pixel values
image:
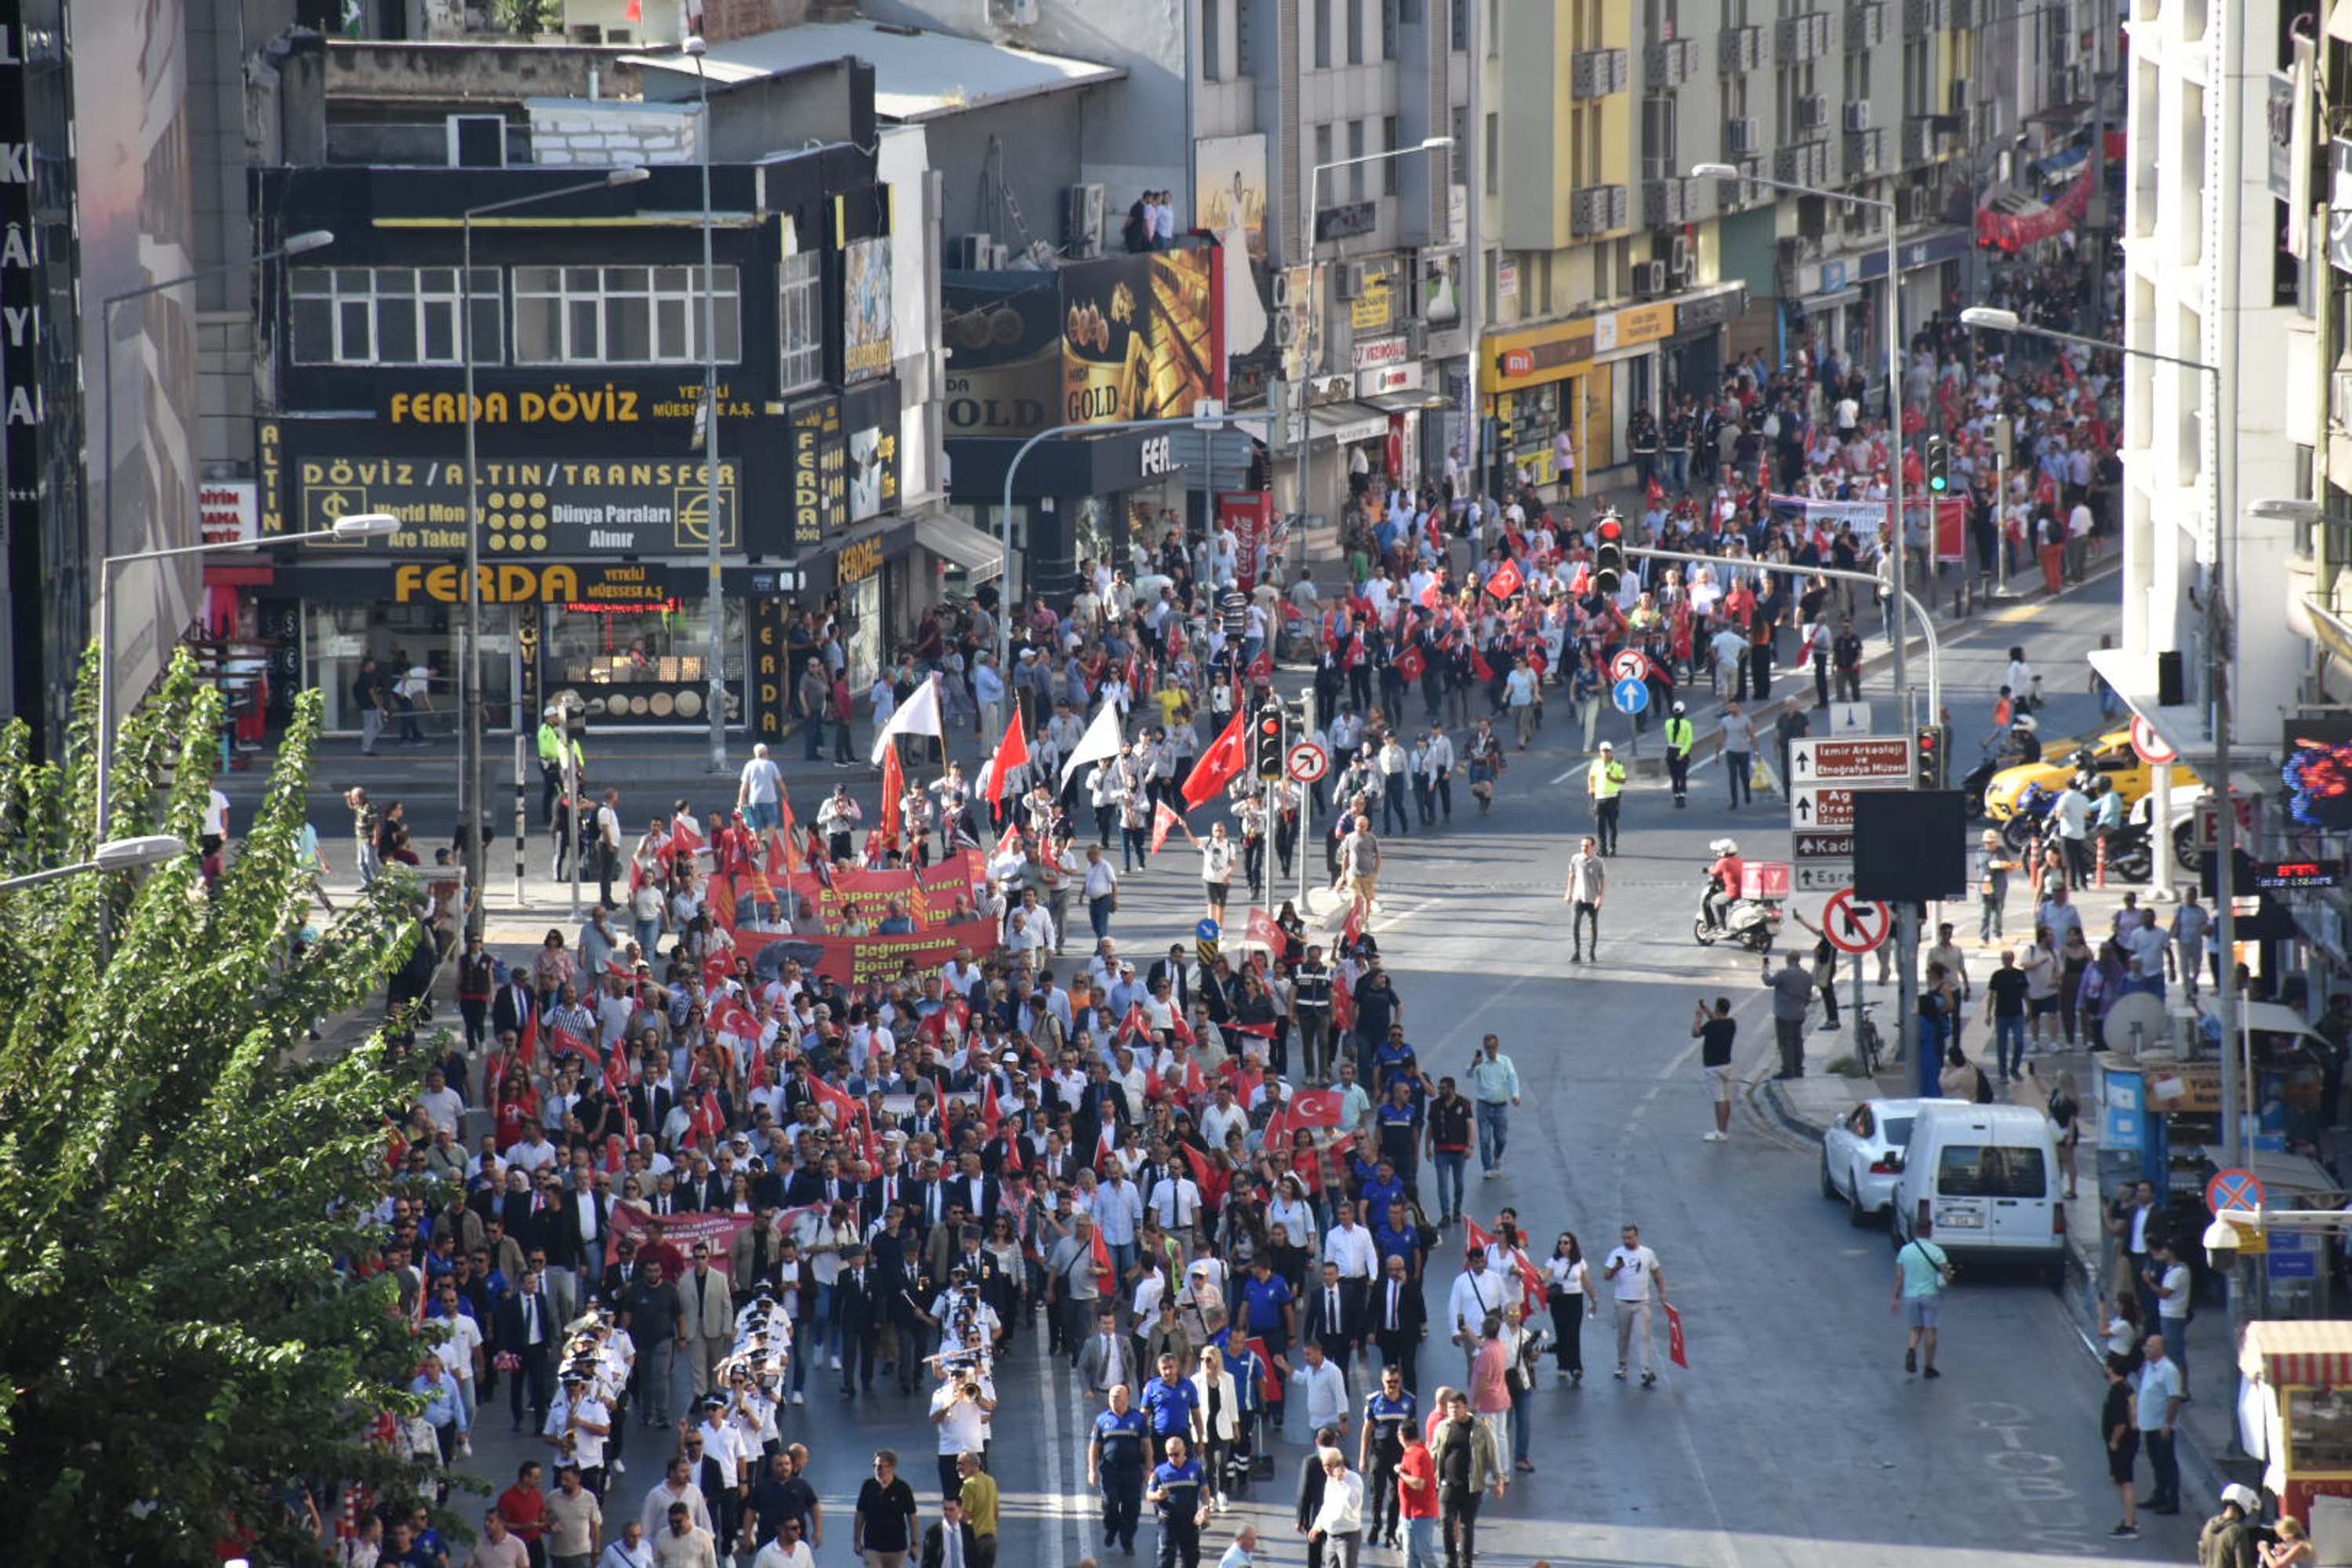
(1330, 1318)
(936, 1553)
(527, 1327)
(1399, 1321)
(864, 1308)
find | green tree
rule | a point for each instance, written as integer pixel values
(183, 1186)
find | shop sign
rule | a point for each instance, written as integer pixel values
(561, 402)
(626, 506)
(771, 669)
(819, 471)
(1537, 356)
(1406, 377)
(1708, 310)
(1153, 457)
(855, 562)
(1346, 220)
(870, 416)
(1376, 352)
(1374, 307)
(1634, 325)
(866, 345)
(228, 511)
(621, 585)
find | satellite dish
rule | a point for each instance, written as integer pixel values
(2136, 1022)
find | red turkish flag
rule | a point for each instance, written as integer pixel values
(1352, 931)
(1220, 765)
(1410, 663)
(1263, 930)
(990, 1115)
(1103, 1147)
(527, 1048)
(565, 1040)
(1014, 753)
(720, 901)
(1316, 1108)
(1164, 821)
(1261, 667)
(1505, 580)
(1433, 594)
(1214, 1179)
(1480, 667)
(894, 786)
(1675, 1349)
(1104, 1273)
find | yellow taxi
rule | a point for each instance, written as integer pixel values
(2113, 756)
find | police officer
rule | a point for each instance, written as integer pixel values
(1680, 738)
(1114, 1467)
(1605, 782)
(1390, 1413)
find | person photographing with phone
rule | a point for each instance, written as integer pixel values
(1922, 1274)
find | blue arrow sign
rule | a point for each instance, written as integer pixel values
(1207, 931)
(1630, 696)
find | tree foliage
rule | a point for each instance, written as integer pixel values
(180, 1178)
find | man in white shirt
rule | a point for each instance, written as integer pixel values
(1320, 1389)
(2072, 812)
(1348, 1247)
(1632, 1269)
(1176, 1199)
(444, 1105)
(1477, 1293)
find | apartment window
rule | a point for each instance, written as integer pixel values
(1457, 157)
(1394, 12)
(1460, 26)
(392, 315)
(1658, 21)
(621, 315)
(1389, 145)
(1494, 28)
(1321, 22)
(1355, 31)
(1356, 150)
(800, 318)
(1323, 156)
(1211, 17)
(1735, 14)
(1494, 150)
(1542, 260)
(1658, 159)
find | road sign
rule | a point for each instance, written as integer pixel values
(1821, 805)
(2207, 818)
(2151, 746)
(1824, 844)
(1823, 876)
(1308, 762)
(1764, 879)
(1849, 719)
(1630, 695)
(2233, 1188)
(1867, 761)
(1855, 925)
(1207, 931)
(1628, 665)
(2293, 1255)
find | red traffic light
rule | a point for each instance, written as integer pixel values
(1609, 529)
(1269, 727)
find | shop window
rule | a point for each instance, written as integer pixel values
(801, 318)
(644, 666)
(621, 315)
(391, 315)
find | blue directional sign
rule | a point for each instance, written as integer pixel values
(1630, 695)
(1207, 931)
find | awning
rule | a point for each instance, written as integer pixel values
(2287, 1354)
(981, 555)
(1405, 402)
(2133, 675)
(1345, 422)
(1813, 304)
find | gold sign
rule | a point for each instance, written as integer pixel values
(628, 583)
(858, 562)
(561, 403)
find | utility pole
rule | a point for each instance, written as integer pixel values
(1473, 271)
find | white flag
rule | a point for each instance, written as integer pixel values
(1102, 738)
(918, 715)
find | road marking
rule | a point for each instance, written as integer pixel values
(1573, 772)
(1392, 921)
(1055, 1479)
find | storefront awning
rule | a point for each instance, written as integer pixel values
(980, 556)
(1345, 422)
(1815, 304)
(1405, 402)
(2183, 725)
(2288, 1353)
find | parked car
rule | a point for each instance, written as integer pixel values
(2112, 757)
(1862, 1155)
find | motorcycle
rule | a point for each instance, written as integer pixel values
(1753, 923)
(2025, 825)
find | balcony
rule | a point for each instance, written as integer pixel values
(1665, 203)
(1739, 49)
(1865, 25)
(1804, 164)
(1597, 210)
(1865, 152)
(1597, 73)
(1669, 65)
(1797, 39)
(1926, 16)
(1919, 142)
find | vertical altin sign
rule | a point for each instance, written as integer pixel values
(20, 318)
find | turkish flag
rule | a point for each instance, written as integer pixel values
(828, 1095)
(1014, 753)
(894, 785)
(1261, 667)
(1220, 765)
(991, 1115)
(1316, 1108)
(1411, 663)
(1433, 594)
(1505, 580)
(565, 1040)
(684, 837)
(1262, 929)
(1676, 1351)
(1164, 821)
(1213, 1178)
(1352, 931)
(720, 901)
(1480, 667)
(1103, 1147)
(527, 1048)
(1104, 1273)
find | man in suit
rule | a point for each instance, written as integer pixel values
(950, 1544)
(1399, 1321)
(1178, 973)
(752, 1260)
(528, 1327)
(512, 1006)
(650, 1102)
(583, 1226)
(862, 1307)
(706, 1325)
(1330, 1318)
(894, 1184)
(1107, 1359)
(974, 1189)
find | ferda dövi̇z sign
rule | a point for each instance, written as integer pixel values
(530, 507)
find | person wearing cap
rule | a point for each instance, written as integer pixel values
(555, 748)
(1680, 738)
(2229, 1539)
(1604, 783)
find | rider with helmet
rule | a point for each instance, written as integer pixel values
(1724, 876)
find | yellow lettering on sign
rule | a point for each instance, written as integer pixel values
(860, 561)
(500, 584)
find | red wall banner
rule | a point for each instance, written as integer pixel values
(871, 960)
(930, 897)
(683, 1231)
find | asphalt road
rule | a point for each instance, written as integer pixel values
(1795, 1436)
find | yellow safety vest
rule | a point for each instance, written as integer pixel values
(1608, 780)
(1678, 734)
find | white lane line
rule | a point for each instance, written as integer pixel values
(1390, 922)
(1572, 772)
(1055, 1479)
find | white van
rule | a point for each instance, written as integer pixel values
(1987, 1176)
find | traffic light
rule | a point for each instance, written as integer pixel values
(1940, 465)
(1266, 735)
(1609, 559)
(1927, 756)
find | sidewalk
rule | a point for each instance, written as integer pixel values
(1806, 1106)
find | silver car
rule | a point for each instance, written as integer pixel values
(1862, 1155)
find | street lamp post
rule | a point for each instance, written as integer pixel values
(1314, 285)
(114, 855)
(471, 792)
(2220, 638)
(693, 48)
(346, 530)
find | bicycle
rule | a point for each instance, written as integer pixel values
(1867, 1041)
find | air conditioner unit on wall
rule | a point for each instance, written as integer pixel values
(1650, 279)
(1082, 221)
(1740, 135)
(1857, 115)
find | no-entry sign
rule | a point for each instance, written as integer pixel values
(1855, 925)
(2151, 746)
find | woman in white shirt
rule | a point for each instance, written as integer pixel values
(1220, 1418)
(1291, 1211)
(1568, 1288)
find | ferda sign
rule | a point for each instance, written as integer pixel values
(564, 403)
(513, 584)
